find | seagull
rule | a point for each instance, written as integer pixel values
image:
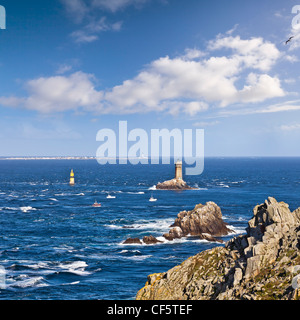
(289, 39)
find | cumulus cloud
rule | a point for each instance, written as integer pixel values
(206, 80)
(230, 71)
(58, 94)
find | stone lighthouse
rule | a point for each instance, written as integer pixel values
(178, 170)
(72, 179)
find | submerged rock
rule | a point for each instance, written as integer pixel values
(262, 264)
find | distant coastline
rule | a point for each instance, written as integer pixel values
(141, 158)
(48, 158)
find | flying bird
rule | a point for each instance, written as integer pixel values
(289, 39)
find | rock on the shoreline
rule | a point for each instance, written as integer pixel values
(262, 264)
(204, 221)
(174, 184)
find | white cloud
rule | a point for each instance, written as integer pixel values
(279, 107)
(76, 8)
(291, 127)
(58, 93)
(206, 123)
(63, 68)
(253, 53)
(207, 80)
(91, 31)
(116, 5)
(184, 84)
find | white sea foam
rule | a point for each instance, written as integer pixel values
(138, 258)
(223, 185)
(113, 226)
(130, 251)
(138, 192)
(53, 199)
(28, 282)
(76, 267)
(71, 283)
(236, 230)
(26, 209)
(152, 188)
(159, 224)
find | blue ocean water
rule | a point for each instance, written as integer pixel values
(55, 245)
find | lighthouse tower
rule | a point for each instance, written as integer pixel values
(178, 170)
(72, 179)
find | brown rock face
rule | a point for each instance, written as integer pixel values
(174, 184)
(204, 221)
(132, 241)
(150, 240)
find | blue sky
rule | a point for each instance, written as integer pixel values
(69, 68)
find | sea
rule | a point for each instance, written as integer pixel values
(54, 245)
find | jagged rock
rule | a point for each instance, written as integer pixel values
(204, 221)
(150, 240)
(174, 233)
(296, 282)
(262, 264)
(174, 184)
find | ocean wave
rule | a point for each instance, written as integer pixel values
(236, 230)
(138, 258)
(26, 209)
(159, 224)
(130, 251)
(25, 281)
(53, 199)
(152, 188)
(75, 267)
(138, 192)
(223, 185)
(10, 208)
(113, 226)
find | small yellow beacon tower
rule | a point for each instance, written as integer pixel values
(72, 179)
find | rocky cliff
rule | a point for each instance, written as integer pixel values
(262, 264)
